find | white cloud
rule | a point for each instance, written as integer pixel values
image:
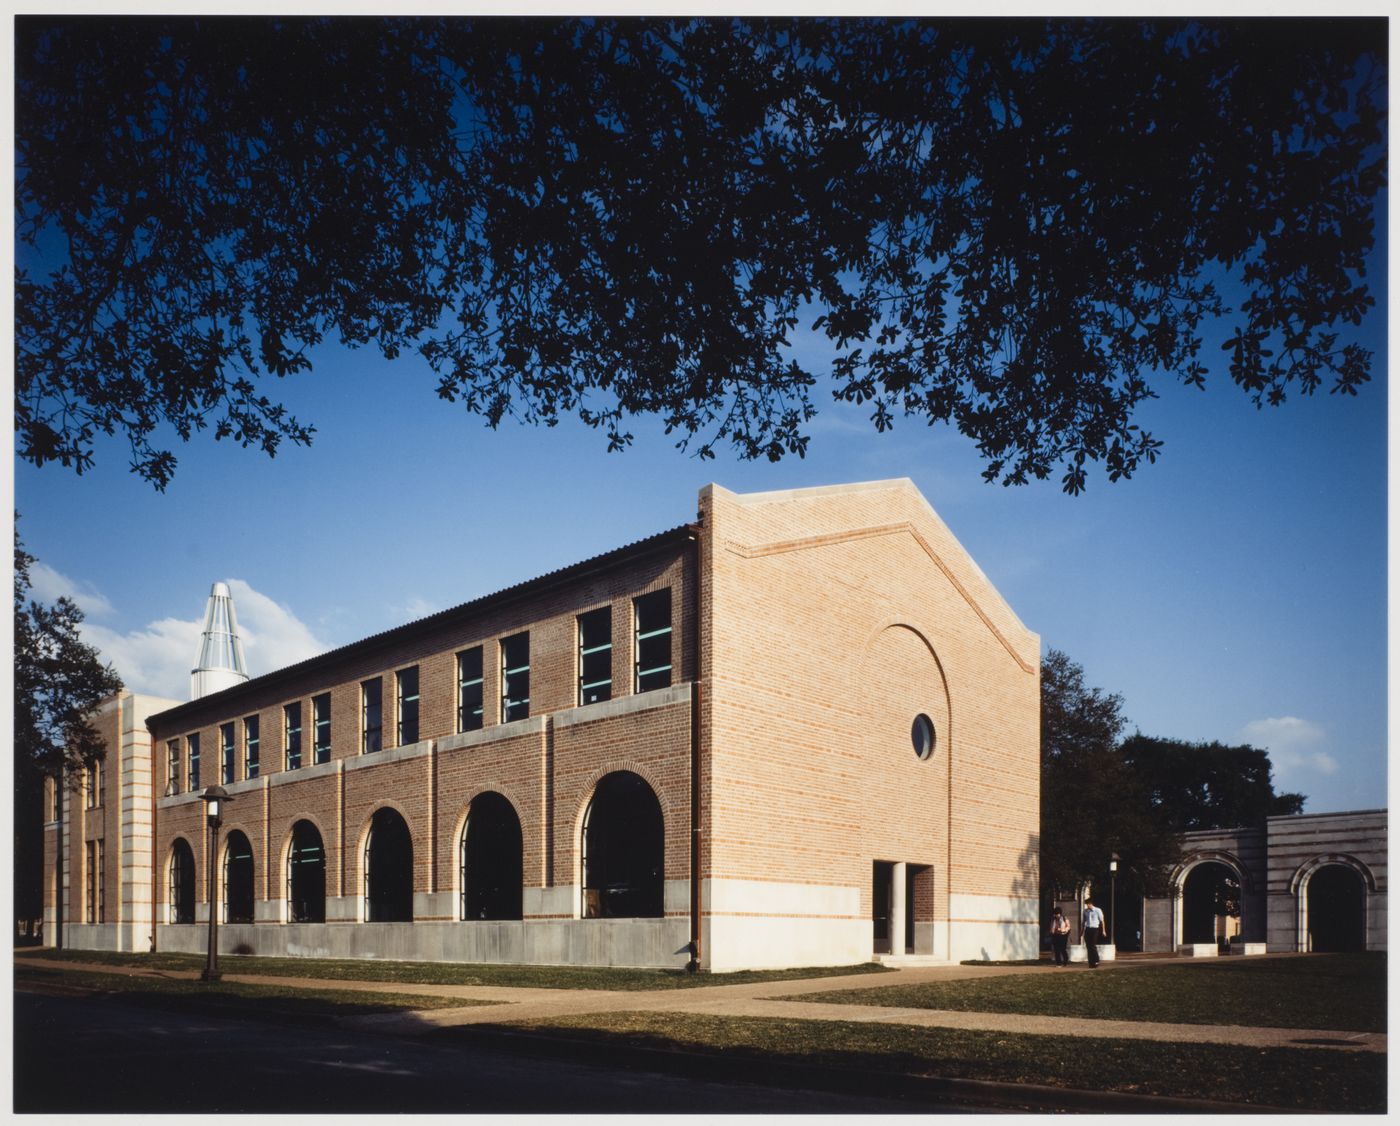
(48, 585)
(414, 609)
(157, 658)
(1295, 746)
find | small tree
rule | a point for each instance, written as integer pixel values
(59, 681)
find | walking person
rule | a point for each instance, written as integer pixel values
(1059, 937)
(1093, 931)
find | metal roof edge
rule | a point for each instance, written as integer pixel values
(385, 638)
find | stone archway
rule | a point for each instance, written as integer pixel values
(1336, 910)
(1210, 897)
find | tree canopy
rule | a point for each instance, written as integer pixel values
(1015, 227)
(1101, 793)
(59, 681)
(1091, 804)
(1207, 785)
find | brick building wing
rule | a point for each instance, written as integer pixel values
(802, 730)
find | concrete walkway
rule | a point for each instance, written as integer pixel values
(505, 1005)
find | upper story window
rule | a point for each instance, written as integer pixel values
(172, 766)
(321, 727)
(515, 677)
(251, 741)
(228, 767)
(407, 686)
(595, 656)
(291, 727)
(469, 690)
(653, 649)
(193, 741)
(371, 715)
(92, 783)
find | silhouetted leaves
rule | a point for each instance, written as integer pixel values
(1091, 804)
(1016, 227)
(1208, 785)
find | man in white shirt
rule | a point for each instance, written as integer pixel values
(1093, 923)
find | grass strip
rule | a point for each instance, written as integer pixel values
(452, 973)
(1322, 991)
(232, 997)
(1301, 1079)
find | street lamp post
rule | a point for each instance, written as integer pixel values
(214, 798)
(1113, 900)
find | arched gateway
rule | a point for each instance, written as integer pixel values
(1302, 883)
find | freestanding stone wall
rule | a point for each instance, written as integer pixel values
(1282, 869)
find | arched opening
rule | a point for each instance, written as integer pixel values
(623, 850)
(1336, 910)
(306, 875)
(388, 869)
(238, 879)
(1210, 904)
(181, 882)
(491, 860)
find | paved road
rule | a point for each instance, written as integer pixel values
(76, 1055)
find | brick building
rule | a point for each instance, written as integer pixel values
(802, 730)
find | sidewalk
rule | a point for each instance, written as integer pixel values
(507, 1005)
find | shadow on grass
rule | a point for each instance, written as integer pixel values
(859, 1056)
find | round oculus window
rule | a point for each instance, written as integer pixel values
(923, 735)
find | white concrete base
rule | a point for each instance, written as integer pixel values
(730, 943)
(1198, 950)
(993, 928)
(1250, 947)
(1080, 953)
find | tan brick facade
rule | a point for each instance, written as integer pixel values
(812, 626)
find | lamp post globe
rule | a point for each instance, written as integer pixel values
(214, 798)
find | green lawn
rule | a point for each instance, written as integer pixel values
(451, 973)
(1323, 991)
(230, 997)
(1302, 1079)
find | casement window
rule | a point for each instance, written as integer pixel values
(291, 735)
(96, 882)
(406, 684)
(226, 754)
(371, 715)
(321, 727)
(595, 656)
(172, 767)
(238, 879)
(515, 677)
(306, 875)
(469, 690)
(251, 741)
(491, 860)
(652, 613)
(181, 902)
(193, 741)
(623, 850)
(92, 785)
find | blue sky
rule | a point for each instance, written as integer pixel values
(1234, 591)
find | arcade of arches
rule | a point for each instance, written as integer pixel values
(1306, 882)
(622, 848)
